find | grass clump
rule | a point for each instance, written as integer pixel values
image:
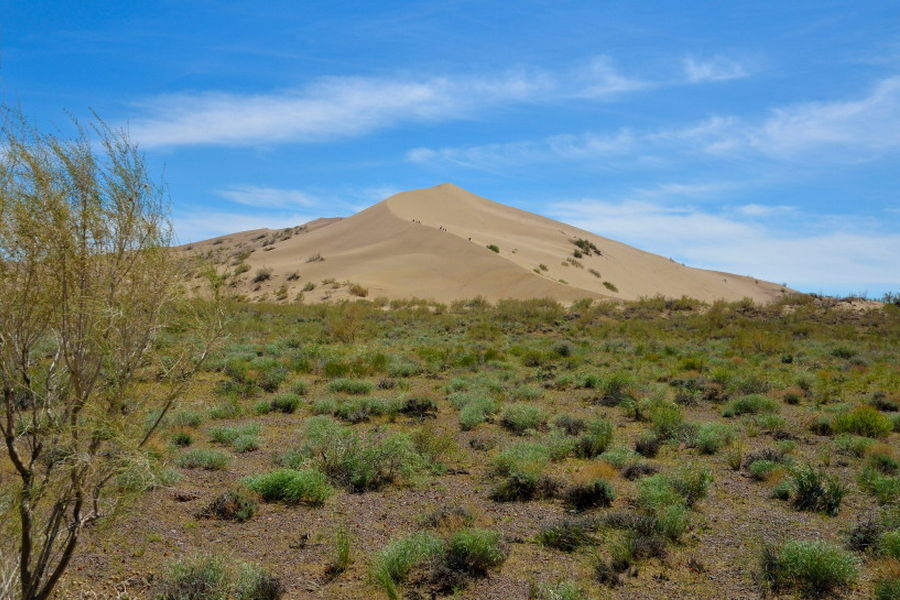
(563, 590)
(863, 420)
(595, 439)
(474, 551)
(341, 558)
(203, 458)
(391, 566)
(815, 569)
(521, 417)
(589, 494)
(817, 491)
(234, 505)
(290, 486)
(751, 404)
(568, 534)
(213, 577)
(709, 438)
(351, 386)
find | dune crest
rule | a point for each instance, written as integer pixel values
(445, 244)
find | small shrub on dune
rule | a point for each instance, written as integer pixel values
(289, 486)
(815, 569)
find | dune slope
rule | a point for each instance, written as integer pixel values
(433, 243)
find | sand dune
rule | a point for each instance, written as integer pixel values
(432, 243)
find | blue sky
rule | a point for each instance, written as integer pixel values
(755, 137)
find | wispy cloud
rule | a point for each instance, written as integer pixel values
(266, 197)
(852, 256)
(717, 68)
(825, 132)
(339, 107)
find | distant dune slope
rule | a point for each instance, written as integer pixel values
(433, 243)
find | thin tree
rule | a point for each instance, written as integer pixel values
(90, 295)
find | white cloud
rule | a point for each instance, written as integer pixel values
(717, 68)
(201, 225)
(763, 210)
(266, 197)
(339, 107)
(855, 257)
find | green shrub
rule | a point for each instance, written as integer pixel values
(233, 505)
(520, 417)
(667, 421)
(591, 494)
(289, 486)
(351, 386)
(760, 469)
(255, 583)
(228, 435)
(182, 439)
(391, 566)
(889, 544)
(752, 404)
(187, 418)
(205, 577)
(202, 458)
(245, 443)
(712, 437)
(474, 551)
(817, 491)
(341, 558)
(285, 403)
(563, 590)
(494, 248)
(568, 534)
(813, 568)
(863, 420)
(595, 439)
(854, 445)
(887, 588)
(885, 488)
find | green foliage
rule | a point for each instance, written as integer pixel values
(494, 248)
(213, 577)
(351, 386)
(307, 486)
(233, 505)
(590, 494)
(285, 403)
(202, 458)
(341, 558)
(568, 534)
(751, 404)
(813, 568)
(863, 420)
(392, 564)
(563, 590)
(709, 438)
(595, 439)
(474, 550)
(521, 417)
(816, 490)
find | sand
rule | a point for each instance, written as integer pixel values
(432, 243)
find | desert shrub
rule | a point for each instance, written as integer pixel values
(853, 445)
(568, 534)
(647, 445)
(358, 463)
(817, 491)
(285, 403)
(204, 577)
(202, 458)
(242, 438)
(449, 518)
(233, 505)
(667, 421)
(638, 470)
(494, 248)
(476, 412)
(864, 535)
(521, 417)
(590, 494)
(212, 577)
(187, 418)
(595, 439)
(262, 275)
(350, 386)
(889, 544)
(610, 286)
(885, 488)
(812, 568)
(359, 410)
(261, 372)
(419, 408)
(881, 458)
(761, 469)
(571, 425)
(619, 456)
(391, 566)
(290, 486)
(616, 388)
(751, 404)
(182, 439)
(340, 559)
(863, 420)
(358, 290)
(255, 583)
(887, 588)
(563, 590)
(474, 550)
(712, 437)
